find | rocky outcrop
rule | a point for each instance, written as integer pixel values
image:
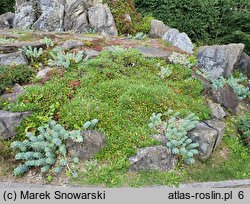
(16, 58)
(60, 15)
(209, 135)
(219, 60)
(101, 20)
(51, 15)
(93, 142)
(76, 16)
(152, 158)
(6, 20)
(9, 121)
(179, 40)
(157, 29)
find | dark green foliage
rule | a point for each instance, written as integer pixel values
(206, 21)
(9, 75)
(244, 128)
(6, 6)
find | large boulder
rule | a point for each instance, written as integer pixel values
(24, 15)
(42, 15)
(179, 40)
(16, 58)
(51, 15)
(93, 142)
(101, 20)
(153, 158)
(64, 15)
(6, 20)
(244, 64)
(219, 60)
(76, 18)
(9, 121)
(157, 29)
(209, 135)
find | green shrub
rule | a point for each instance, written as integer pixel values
(244, 128)
(206, 21)
(9, 75)
(6, 6)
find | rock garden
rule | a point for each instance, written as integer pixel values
(84, 102)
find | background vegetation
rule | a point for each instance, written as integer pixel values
(205, 21)
(6, 5)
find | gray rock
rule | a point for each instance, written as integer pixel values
(157, 29)
(209, 135)
(92, 54)
(6, 20)
(51, 16)
(43, 72)
(93, 142)
(219, 60)
(14, 47)
(220, 127)
(244, 64)
(71, 44)
(153, 158)
(17, 58)
(17, 90)
(226, 97)
(46, 15)
(24, 15)
(154, 52)
(217, 111)
(9, 121)
(76, 18)
(179, 40)
(101, 20)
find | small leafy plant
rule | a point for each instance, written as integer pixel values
(62, 59)
(90, 124)
(6, 40)
(46, 150)
(176, 129)
(48, 42)
(165, 72)
(236, 83)
(140, 36)
(32, 53)
(183, 60)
